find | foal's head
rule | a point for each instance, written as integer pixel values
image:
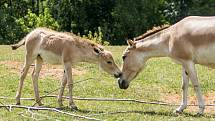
(106, 61)
(133, 62)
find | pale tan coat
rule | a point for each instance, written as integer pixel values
(190, 41)
(45, 45)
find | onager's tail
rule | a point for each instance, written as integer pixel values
(19, 44)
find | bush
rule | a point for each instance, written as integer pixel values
(96, 37)
(32, 21)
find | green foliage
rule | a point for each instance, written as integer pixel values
(62, 12)
(175, 10)
(9, 31)
(134, 17)
(31, 21)
(9, 10)
(202, 7)
(118, 19)
(97, 37)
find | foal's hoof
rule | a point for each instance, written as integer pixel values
(18, 103)
(40, 104)
(73, 107)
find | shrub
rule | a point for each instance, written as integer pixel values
(96, 37)
(31, 21)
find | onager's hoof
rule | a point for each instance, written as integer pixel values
(60, 106)
(73, 107)
(178, 111)
(60, 103)
(199, 114)
(201, 111)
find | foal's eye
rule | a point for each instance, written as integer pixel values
(109, 62)
(123, 57)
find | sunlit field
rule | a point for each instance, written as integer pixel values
(160, 81)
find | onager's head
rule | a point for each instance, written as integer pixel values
(133, 62)
(106, 62)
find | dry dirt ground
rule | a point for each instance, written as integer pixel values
(176, 99)
(55, 71)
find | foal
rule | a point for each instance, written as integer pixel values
(45, 45)
(190, 41)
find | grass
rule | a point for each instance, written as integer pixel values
(160, 81)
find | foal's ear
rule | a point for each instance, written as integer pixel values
(131, 43)
(97, 50)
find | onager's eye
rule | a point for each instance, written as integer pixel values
(109, 62)
(123, 57)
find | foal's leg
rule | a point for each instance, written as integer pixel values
(63, 85)
(190, 67)
(35, 75)
(27, 63)
(185, 84)
(68, 71)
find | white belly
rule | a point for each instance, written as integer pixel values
(50, 57)
(205, 55)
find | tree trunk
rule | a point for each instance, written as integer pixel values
(11, 8)
(32, 5)
(42, 9)
(38, 7)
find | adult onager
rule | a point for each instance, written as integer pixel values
(190, 41)
(45, 45)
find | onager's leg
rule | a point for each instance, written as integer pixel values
(190, 67)
(63, 85)
(185, 84)
(68, 71)
(35, 75)
(27, 63)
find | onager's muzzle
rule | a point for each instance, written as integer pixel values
(123, 84)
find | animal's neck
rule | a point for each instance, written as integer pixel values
(156, 45)
(85, 53)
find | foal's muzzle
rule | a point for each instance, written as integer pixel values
(118, 75)
(123, 84)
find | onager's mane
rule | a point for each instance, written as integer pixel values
(151, 32)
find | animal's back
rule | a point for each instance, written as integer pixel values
(197, 35)
(48, 44)
(200, 29)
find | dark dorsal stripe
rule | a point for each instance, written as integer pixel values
(151, 32)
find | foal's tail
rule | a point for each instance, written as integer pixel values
(19, 44)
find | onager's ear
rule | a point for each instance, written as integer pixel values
(131, 43)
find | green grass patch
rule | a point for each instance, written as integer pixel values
(160, 77)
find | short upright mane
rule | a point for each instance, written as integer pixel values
(80, 39)
(151, 32)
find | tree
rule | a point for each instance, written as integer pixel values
(134, 17)
(62, 12)
(10, 10)
(118, 20)
(202, 8)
